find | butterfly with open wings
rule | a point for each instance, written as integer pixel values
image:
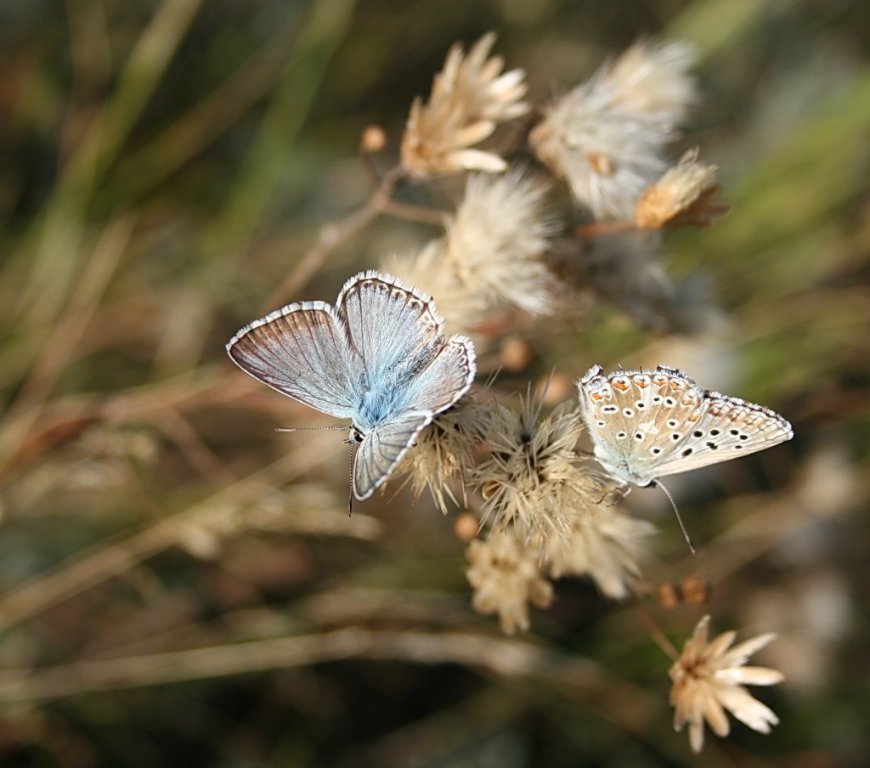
(378, 357)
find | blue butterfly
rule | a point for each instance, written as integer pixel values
(378, 358)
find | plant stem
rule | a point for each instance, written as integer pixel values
(334, 235)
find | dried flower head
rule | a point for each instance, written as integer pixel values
(685, 194)
(497, 239)
(604, 544)
(469, 97)
(708, 679)
(533, 475)
(445, 450)
(506, 579)
(605, 137)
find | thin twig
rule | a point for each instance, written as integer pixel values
(649, 624)
(333, 236)
(506, 658)
(597, 228)
(416, 213)
(194, 448)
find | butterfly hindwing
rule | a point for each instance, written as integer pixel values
(382, 449)
(632, 417)
(445, 379)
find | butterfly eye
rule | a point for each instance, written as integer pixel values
(676, 436)
(601, 423)
(697, 433)
(714, 432)
(640, 405)
(687, 452)
(670, 401)
(638, 436)
(672, 423)
(734, 432)
(656, 451)
(621, 435)
(712, 446)
(628, 412)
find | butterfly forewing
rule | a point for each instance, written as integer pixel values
(382, 449)
(728, 428)
(395, 329)
(648, 424)
(301, 350)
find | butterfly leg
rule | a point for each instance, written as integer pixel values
(615, 495)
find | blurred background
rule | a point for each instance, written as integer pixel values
(180, 585)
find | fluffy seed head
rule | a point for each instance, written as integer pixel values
(430, 270)
(605, 137)
(497, 239)
(654, 80)
(603, 544)
(533, 474)
(445, 451)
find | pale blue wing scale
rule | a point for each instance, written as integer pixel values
(382, 449)
(447, 377)
(302, 351)
(393, 328)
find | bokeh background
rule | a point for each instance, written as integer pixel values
(180, 585)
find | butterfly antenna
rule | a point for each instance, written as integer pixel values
(658, 484)
(350, 482)
(311, 429)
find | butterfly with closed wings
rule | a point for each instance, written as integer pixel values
(649, 424)
(378, 357)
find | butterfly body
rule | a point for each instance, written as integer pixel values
(650, 424)
(378, 358)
